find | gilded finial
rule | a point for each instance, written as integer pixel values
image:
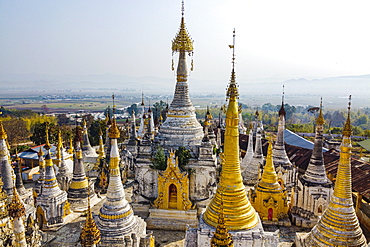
(101, 144)
(90, 233)
(347, 130)
(59, 146)
(182, 41)
(208, 114)
(206, 122)
(320, 119)
(47, 145)
(3, 134)
(16, 207)
(221, 237)
(232, 90)
(113, 131)
(70, 150)
(48, 160)
(84, 122)
(40, 153)
(108, 117)
(60, 140)
(160, 118)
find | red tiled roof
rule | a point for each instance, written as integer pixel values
(360, 169)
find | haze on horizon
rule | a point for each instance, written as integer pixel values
(275, 40)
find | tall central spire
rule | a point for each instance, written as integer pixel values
(339, 225)
(230, 190)
(182, 44)
(181, 119)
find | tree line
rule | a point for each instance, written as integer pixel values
(300, 118)
(26, 128)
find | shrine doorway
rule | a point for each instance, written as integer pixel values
(319, 209)
(172, 196)
(270, 213)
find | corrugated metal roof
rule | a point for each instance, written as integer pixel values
(32, 153)
(365, 144)
(292, 138)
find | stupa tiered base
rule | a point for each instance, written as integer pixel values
(164, 219)
(256, 236)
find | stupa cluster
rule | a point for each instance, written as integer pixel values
(184, 176)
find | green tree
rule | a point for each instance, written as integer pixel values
(39, 133)
(159, 159)
(18, 149)
(269, 107)
(357, 131)
(94, 131)
(16, 131)
(131, 108)
(337, 119)
(109, 111)
(158, 108)
(290, 110)
(66, 132)
(183, 156)
(367, 133)
(336, 130)
(363, 119)
(63, 119)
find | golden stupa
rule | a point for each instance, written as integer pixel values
(236, 207)
(339, 225)
(269, 199)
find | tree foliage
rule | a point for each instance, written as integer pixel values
(39, 133)
(183, 156)
(16, 131)
(159, 159)
(94, 131)
(159, 108)
(131, 108)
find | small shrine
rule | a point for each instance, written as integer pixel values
(173, 201)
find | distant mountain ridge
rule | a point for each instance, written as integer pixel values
(340, 86)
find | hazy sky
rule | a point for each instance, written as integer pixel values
(275, 40)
